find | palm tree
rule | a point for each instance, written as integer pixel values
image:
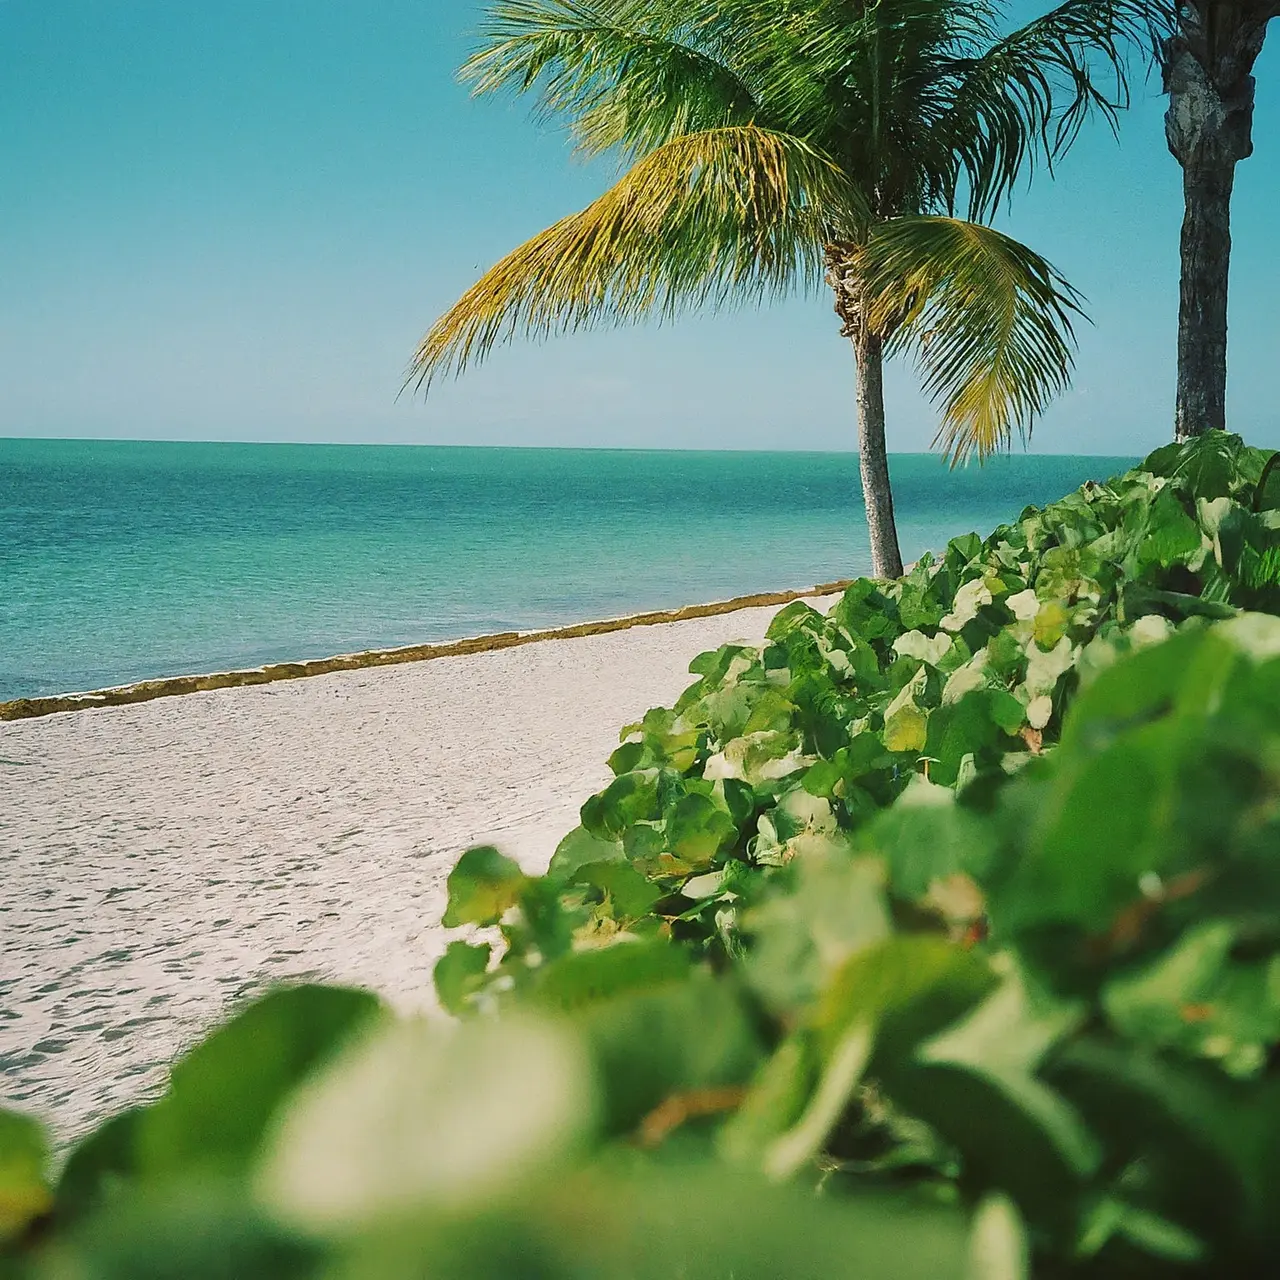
(1207, 62)
(775, 144)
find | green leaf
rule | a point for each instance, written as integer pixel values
(483, 886)
(905, 722)
(579, 849)
(1174, 537)
(657, 1220)
(976, 1083)
(1197, 998)
(627, 757)
(100, 1165)
(24, 1192)
(459, 973)
(1193, 1130)
(626, 800)
(1050, 625)
(846, 1062)
(907, 988)
(802, 937)
(915, 644)
(183, 1232)
(413, 1117)
(664, 1039)
(698, 830)
(777, 1098)
(926, 837)
(631, 893)
(585, 977)
(224, 1095)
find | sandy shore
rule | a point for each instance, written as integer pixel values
(161, 861)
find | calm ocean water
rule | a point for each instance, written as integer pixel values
(124, 560)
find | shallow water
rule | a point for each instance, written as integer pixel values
(125, 560)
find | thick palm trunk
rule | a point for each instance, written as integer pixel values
(1201, 403)
(873, 459)
(1208, 126)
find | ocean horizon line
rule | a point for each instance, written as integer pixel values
(1010, 452)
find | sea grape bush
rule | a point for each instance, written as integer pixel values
(1088, 1087)
(957, 675)
(1019, 1019)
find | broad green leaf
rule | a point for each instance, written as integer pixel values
(906, 987)
(631, 798)
(584, 977)
(1196, 1133)
(579, 849)
(458, 973)
(415, 1117)
(846, 1061)
(631, 755)
(483, 886)
(225, 1094)
(915, 644)
(665, 1039)
(976, 1083)
(968, 600)
(24, 1191)
(1050, 624)
(926, 837)
(630, 892)
(99, 1165)
(698, 830)
(835, 908)
(662, 1219)
(776, 1099)
(1174, 537)
(1197, 998)
(182, 1232)
(906, 724)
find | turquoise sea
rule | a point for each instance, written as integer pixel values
(125, 560)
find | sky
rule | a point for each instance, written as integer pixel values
(235, 220)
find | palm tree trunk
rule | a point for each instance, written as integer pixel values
(873, 460)
(1201, 403)
(1208, 126)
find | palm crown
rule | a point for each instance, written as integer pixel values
(775, 144)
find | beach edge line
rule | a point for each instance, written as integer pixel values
(270, 673)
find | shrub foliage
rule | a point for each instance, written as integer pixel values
(960, 905)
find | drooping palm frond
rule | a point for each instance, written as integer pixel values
(1026, 97)
(989, 320)
(624, 73)
(725, 215)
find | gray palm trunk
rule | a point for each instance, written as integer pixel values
(1208, 126)
(873, 457)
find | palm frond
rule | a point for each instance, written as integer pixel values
(624, 73)
(989, 320)
(1027, 97)
(725, 215)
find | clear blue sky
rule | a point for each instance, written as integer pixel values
(233, 221)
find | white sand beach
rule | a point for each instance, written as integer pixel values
(161, 861)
